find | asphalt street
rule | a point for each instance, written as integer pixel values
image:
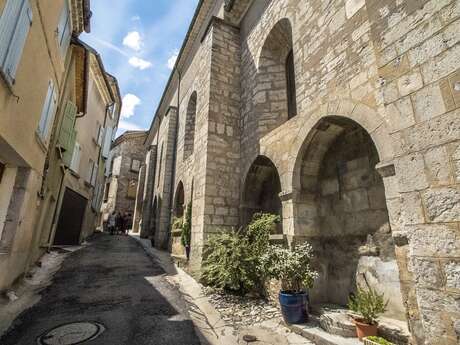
(117, 289)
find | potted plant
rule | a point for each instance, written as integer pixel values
(368, 305)
(186, 234)
(374, 340)
(292, 268)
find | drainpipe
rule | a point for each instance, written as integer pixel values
(173, 173)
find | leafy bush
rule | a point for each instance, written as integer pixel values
(232, 258)
(369, 304)
(186, 234)
(291, 267)
(177, 223)
(379, 340)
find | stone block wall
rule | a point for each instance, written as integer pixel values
(389, 66)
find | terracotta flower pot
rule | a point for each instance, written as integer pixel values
(364, 329)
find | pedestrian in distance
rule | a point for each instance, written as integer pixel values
(111, 221)
(128, 223)
(119, 223)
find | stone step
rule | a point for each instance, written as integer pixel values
(313, 332)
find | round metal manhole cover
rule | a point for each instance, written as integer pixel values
(72, 333)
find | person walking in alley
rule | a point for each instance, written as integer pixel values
(119, 222)
(128, 223)
(112, 222)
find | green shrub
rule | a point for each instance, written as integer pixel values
(290, 266)
(369, 304)
(379, 340)
(186, 234)
(232, 258)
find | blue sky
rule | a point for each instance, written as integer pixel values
(138, 41)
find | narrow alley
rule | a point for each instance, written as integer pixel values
(114, 285)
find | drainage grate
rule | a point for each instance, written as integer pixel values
(71, 333)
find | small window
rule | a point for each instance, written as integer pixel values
(135, 165)
(15, 23)
(75, 163)
(132, 189)
(106, 192)
(64, 29)
(291, 91)
(48, 113)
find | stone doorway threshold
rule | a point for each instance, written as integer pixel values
(331, 325)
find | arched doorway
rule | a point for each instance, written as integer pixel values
(261, 190)
(341, 210)
(179, 201)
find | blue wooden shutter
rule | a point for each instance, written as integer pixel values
(18, 41)
(68, 153)
(47, 111)
(64, 28)
(8, 22)
(107, 142)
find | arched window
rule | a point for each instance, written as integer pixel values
(179, 201)
(189, 135)
(290, 85)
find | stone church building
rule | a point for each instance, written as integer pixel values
(343, 117)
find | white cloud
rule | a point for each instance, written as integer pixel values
(130, 102)
(128, 126)
(135, 18)
(139, 63)
(172, 60)
(133, 40)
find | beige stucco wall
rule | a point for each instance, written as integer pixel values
(20, 111)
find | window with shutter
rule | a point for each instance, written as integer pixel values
(48, 112)
(94, 174)
(68, 153)
(107, 142)
(67, 131)
(100, 136)
(15, 23)
(64, 29)
(75, 163)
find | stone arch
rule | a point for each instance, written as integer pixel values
(190, 118)
(274, 80)
(366, 117)
(179, 201)
(261, 190)
(340, 207)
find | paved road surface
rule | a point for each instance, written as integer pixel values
(112, 282)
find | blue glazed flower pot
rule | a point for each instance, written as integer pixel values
(294, 306)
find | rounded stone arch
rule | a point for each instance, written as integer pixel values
(179, 201)
(274, 94)
(189, 128)
(368, 118)
(340, 207)
(261, 189)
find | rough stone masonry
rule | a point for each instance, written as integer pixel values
(343, 117)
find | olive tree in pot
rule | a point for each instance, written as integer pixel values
(292, 268)
(186, 234)
(367, 306)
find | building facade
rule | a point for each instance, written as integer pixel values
(126, 157)
(34, 41)
(340, 116)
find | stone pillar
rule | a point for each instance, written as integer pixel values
(139, 199)
(150, 168)
(162, 234)
(222, 185)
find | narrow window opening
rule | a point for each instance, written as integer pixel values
(291, 91)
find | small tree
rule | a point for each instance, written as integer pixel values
(291, 267)
(369, 304)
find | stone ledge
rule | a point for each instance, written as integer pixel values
(313, 332)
